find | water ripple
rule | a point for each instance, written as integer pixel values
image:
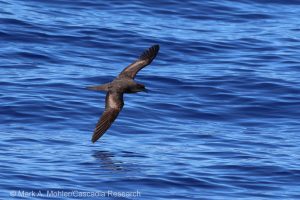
(220, 120)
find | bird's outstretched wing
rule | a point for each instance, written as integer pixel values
(144, 60)
(113, 105)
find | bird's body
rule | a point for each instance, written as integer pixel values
(124, 83)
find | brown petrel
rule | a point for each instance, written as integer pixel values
(124, 83)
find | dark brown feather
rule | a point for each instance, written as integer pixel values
(113, 105)
(99, 87)
(144, 60)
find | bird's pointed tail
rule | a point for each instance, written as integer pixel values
(99, 87)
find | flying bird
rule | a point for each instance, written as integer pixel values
(123, 83)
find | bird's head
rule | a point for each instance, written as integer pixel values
(141, 88)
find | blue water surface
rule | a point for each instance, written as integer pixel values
(221, 120)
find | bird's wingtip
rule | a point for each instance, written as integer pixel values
(156, 45)
(150, 53)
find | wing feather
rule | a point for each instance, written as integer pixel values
(114, 104)
(144, 60)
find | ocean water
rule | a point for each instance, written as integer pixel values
(221, 120)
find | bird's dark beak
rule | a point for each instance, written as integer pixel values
(146, 90)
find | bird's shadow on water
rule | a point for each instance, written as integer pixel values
(107, 161)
